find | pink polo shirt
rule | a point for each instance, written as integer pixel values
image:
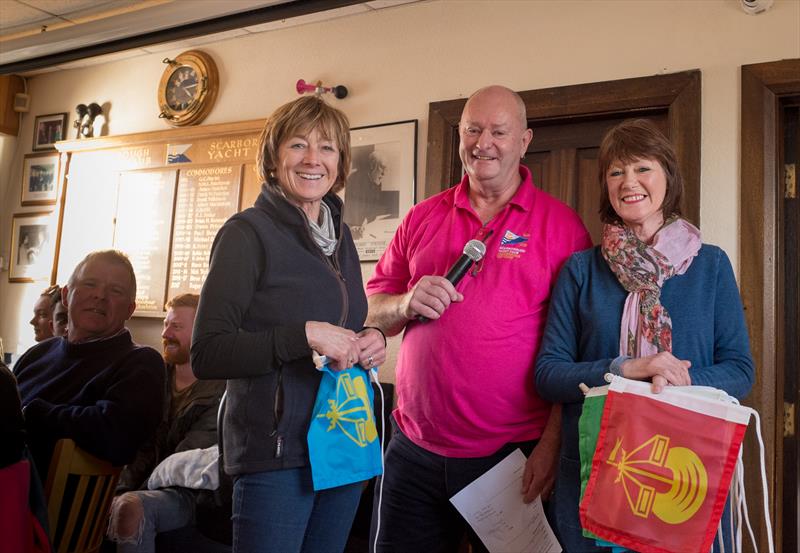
(465, 381)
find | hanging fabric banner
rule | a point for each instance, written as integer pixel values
(666, 460)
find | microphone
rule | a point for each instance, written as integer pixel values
(474, 250)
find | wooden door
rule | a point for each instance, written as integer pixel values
(562, 158)
(790, 156)
(763, 267)
(569, 122)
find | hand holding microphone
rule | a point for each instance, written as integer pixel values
(433, 294)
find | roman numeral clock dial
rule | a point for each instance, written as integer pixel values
(188, 88)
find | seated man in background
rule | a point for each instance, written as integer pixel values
(97, 387)
(58, 324)
(189, 423)
(43, 313)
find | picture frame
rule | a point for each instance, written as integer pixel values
(382, 184)
(40, 179)
(49, 129)
(32, 246)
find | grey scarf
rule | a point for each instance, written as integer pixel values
(324, 233)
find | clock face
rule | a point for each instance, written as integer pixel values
(188, 88)
(182, 88)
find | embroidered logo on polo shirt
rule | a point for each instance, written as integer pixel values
(512, 245)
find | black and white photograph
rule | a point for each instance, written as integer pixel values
(49, 129)
(381, 186)
(39, 179)
(31, 247)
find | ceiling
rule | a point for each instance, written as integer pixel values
(38, 36)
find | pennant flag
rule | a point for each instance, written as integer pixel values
(343, 444)
(588, 430)
(665, 461)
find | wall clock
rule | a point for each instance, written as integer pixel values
(188, 88)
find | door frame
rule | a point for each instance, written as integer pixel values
(760, 274)
(678, 94)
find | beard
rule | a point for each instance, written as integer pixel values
(175, 357)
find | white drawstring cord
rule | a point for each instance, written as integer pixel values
(746, 517)
(731, 513)
(740, 499)
(374, 374)
(763, 482)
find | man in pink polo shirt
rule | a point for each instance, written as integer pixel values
(465, 381)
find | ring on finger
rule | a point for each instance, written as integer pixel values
(369, 360)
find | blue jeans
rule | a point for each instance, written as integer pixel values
(415, 510)
(279, 511)
(164, 510)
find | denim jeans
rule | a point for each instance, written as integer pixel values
(279, 511)
(415, 511)
(164, 510)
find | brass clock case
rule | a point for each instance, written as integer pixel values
(188, 88)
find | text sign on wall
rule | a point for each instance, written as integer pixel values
(207, 197)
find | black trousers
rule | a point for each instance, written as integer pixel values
(415, 510)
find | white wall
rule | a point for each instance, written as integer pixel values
(397, 60)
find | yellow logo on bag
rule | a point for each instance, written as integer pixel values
(688, 482)
(351, 411)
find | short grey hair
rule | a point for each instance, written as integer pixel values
(112, 256)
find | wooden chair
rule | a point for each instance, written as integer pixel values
(79, 491)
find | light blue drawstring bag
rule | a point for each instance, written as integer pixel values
(343, 442)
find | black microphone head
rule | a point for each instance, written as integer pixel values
(340, 91)
(475, 250)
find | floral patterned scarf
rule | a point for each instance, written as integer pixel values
(646, 327)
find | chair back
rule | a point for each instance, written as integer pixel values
(79, 491)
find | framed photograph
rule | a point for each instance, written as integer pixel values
(381, 187)
(32, 240)
(49, 129)
(40, 179)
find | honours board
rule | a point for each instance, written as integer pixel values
(159, 197)
(207, 197)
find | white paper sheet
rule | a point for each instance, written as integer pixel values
(493, 506)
